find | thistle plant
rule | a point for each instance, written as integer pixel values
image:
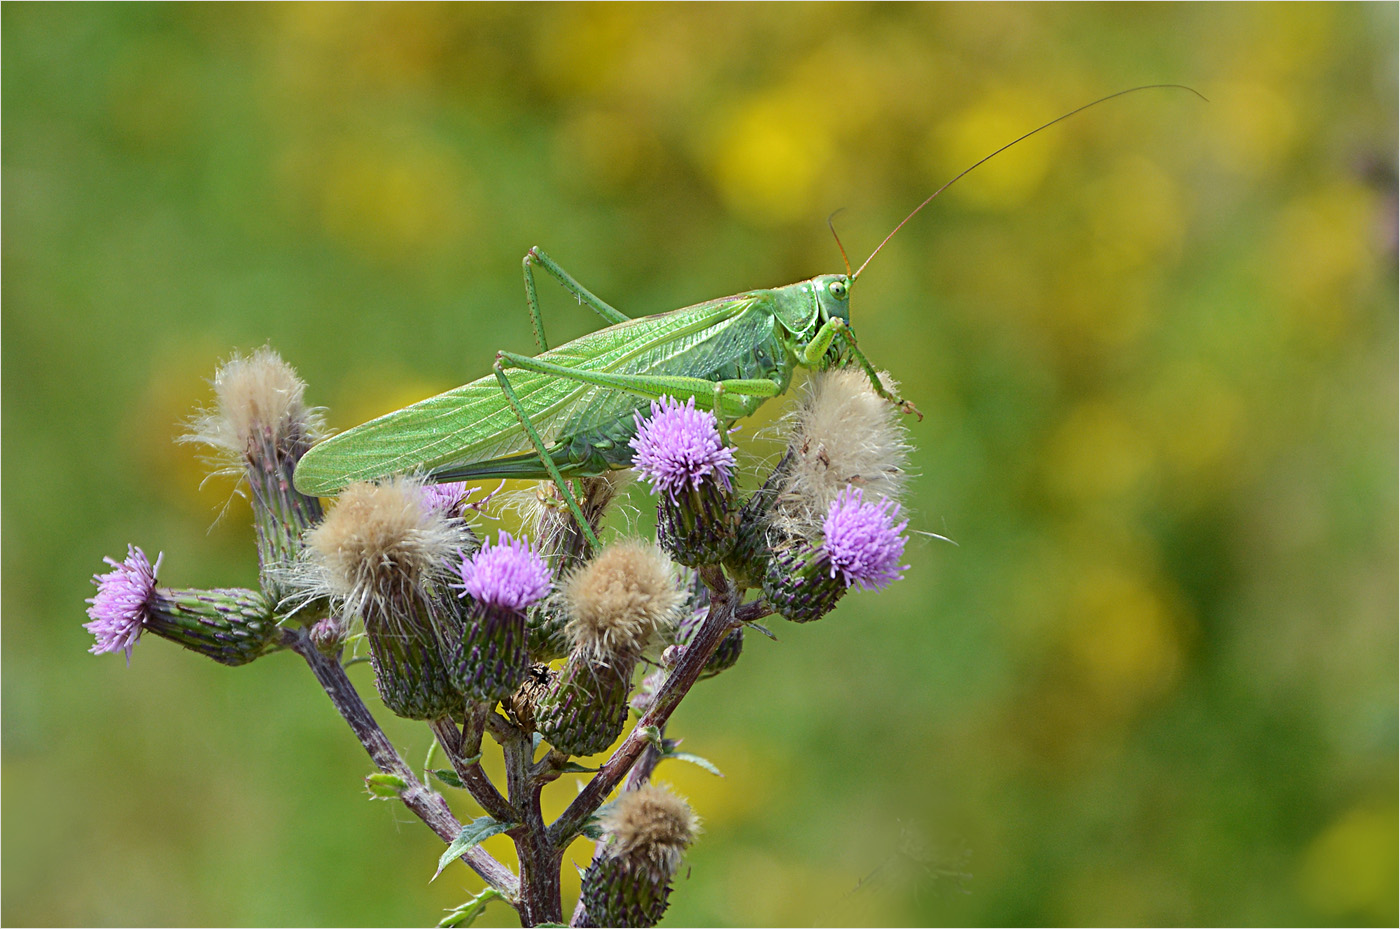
(537, 640)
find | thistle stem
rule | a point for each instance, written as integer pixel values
(540, 900)
(468, 768)
(646, 764)
(425, 804)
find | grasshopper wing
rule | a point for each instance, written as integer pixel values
(471, 431)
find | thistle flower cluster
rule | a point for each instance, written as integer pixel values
(257, 430)
(563, 637)
(825, 520)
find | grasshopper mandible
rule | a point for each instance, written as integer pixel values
(569, 411)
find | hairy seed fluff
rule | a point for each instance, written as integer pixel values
(844, 434)
(380, 544)
(255, 396)
(650, 825)
(621, 599)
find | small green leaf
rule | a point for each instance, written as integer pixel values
(448, 777)
(695, 760)
(759, 627)
(467, 913)
(383, 786)
(574, 767)
(472, 835)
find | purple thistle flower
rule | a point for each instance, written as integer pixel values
(508, 574)
(122, 602)
(678, 446)
(862, 541)
(446, 497)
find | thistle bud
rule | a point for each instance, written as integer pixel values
(680, 451)
(646, 834)
(500, 582)
(860, 545)
(385, 557)
(230, 625)
(328, 635)
(259, 428)
(616, 604)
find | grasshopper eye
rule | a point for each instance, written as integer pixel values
(838, 289)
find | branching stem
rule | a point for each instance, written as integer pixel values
(425, 804)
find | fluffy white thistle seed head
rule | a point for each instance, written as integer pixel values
(651, 826)
(621, 600)
(844, 434)
(381, 544)
(256, 399)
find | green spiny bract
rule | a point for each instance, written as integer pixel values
(233, 626)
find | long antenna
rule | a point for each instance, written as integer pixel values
(1015, 141)
(832, 226)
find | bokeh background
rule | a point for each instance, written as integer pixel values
(1153, 682)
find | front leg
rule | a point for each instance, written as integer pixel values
(811, 355)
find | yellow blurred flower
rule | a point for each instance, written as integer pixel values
(769, 154)
(605, 150)
(1098, 454)
(1349, 870)
(1137, 214)
(1319, 252)
(389, 198)
(1122, 635)
(1197, 423)
(1252, 127)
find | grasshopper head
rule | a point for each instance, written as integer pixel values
(833, 297)
(833, 293)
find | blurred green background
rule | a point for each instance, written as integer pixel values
(1154, 682)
